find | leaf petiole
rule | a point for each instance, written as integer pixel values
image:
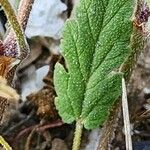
(77, 136)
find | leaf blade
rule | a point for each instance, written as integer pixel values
(95, 45)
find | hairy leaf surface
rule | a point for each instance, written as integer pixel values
(94, 45)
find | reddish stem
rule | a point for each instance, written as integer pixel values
(39, 128)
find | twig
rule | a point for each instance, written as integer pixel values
(55, 124)
(142, 133)
(28, 142)
(40, 128)
(19, 124)
(126, 119)
(26, 130)
(37, 128)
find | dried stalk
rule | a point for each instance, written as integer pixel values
(28, 142)
(126, 118)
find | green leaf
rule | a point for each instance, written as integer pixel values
(94, 45)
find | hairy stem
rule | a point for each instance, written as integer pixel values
(77, 136)
(14, 23)
(25, 7)
(24, 12)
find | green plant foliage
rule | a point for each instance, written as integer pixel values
(94, 45)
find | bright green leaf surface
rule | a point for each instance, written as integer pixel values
(94, 46)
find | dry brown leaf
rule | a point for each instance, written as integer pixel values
(44, 98)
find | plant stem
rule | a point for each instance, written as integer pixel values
(77, 136)
(25, 7)
(14, 23)
(4, 144)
